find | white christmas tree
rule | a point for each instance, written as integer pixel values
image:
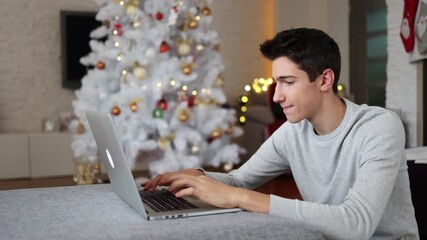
(159, 74)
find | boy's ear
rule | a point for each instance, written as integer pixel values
(328, 79)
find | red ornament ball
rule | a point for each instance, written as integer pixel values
(100, 65)
(159, 16)
(162, 104)
(117, 26)
(164, 47)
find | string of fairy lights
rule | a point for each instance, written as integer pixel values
(261, 86)
(258, 86)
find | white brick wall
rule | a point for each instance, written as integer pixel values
(401, 75)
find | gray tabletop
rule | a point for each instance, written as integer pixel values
(95, 212)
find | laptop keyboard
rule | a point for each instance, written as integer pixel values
(164, 201)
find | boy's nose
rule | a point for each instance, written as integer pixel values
(278, 96)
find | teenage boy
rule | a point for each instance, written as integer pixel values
(347, 160)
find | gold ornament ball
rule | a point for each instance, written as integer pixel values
(140, 72)
(187, 70)
(80, 128)
(183, 116)
(137, 24)
(206, 11)
(134, 107)
(217, 133)
(184, 49)
(192, 24)
(130, 10)
(116, 111)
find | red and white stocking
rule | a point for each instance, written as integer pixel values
(407, 27)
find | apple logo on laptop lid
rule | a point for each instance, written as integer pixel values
(109, 158)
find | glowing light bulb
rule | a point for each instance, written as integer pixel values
(244, 99)
(264, 88)
(242, 119)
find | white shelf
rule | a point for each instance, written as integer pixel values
(35, 155)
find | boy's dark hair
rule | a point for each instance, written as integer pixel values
(311, 49)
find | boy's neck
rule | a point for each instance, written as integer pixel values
(330, 116)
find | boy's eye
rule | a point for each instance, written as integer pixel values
(289, 82)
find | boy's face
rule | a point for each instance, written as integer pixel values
(298, 97)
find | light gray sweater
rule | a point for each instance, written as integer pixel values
(354, 180)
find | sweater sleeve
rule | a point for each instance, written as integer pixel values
(357, 217)
(266, 164)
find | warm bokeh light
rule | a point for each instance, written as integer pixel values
(244, 99)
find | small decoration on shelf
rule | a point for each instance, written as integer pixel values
(50, 124)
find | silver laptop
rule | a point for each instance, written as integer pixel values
(152, 206)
